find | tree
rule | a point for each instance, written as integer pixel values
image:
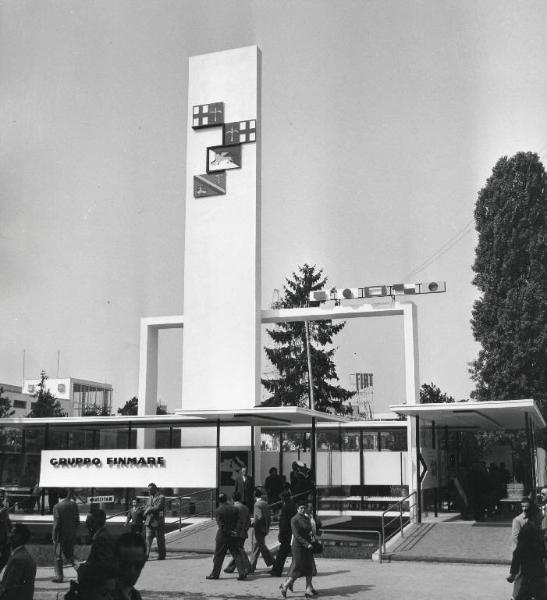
(431, 394)
(289, 355)
(96, 410)
(510, 318)
(6, 409)
(45, 405)
(131, 407)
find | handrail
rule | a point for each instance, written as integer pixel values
(378, 533)
(399, 503)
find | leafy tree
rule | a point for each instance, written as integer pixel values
(510, 318)
(6, 409)
(96, 410)
(289, 357)
(131, 407)
(431, 394)
(45, 405)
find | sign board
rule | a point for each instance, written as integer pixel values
(179, 467)
(100, 499)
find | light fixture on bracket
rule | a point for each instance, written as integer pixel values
(377, 291)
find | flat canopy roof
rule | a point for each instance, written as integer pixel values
(484, 416)
(260, 416)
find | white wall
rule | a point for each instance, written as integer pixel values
(221, 345)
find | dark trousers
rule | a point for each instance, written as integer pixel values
(282, 554)
(239, 556)
(62, 548)
(224, 544)
(261, 548)
(531, 587)
(159, 534)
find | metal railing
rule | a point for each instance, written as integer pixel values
(399, 517)
(372, 531)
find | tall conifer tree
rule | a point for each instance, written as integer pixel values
(510, 318)
(288, 355)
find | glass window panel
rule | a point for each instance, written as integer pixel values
(370, 441)
(350, 441)
(328, 440)
(394, 441)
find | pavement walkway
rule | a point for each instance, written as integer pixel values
(182, 576)
(456, 541)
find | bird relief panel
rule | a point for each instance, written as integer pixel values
(209, 185)
(223, 158)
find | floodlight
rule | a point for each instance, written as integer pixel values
(432, 287)
(347, 293)
(398, 289)
(375, 291)
(318, 296)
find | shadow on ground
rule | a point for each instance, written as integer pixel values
(348, 591)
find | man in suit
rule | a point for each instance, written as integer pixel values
(66, 520)
(261, 524)
(98, 574)
(226, 517)
(244, 486)
(288, 510)
(154, 515)
(241, 529)
(20, 573)
(130, 551)
(5, 528)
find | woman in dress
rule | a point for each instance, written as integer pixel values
(302, 564)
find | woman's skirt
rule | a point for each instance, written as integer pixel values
(302, 564)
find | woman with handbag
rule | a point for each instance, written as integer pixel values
(302, 564)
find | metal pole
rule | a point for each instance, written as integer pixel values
(313, 465)
(361, 468)
(436, 490)
(530, 470)
(281, 452)
(253, 454)
(218, 462)
(310, 374)
(418, 465)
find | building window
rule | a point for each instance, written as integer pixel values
(19, 404)
(393, 440)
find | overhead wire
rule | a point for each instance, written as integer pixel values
(442, 250)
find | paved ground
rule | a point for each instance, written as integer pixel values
(457, 541)
(182, 575)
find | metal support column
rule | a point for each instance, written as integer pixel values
(314, 464)
(361, 468)
(253, 454)
(436, 489)
(218, 465)
(531, 471)
(281, 452)
(418, 466)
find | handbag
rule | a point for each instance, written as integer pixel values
(317, 547)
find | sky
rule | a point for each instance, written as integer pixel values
(381, 121)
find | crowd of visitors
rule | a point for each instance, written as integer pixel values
(113, 565)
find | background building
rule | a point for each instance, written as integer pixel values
(74, 395)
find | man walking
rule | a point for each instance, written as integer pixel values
(66, 520)
(261, 524)
(18, 579)
(288, 510)
(226, 518)
(241, 529)
(154, 515)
